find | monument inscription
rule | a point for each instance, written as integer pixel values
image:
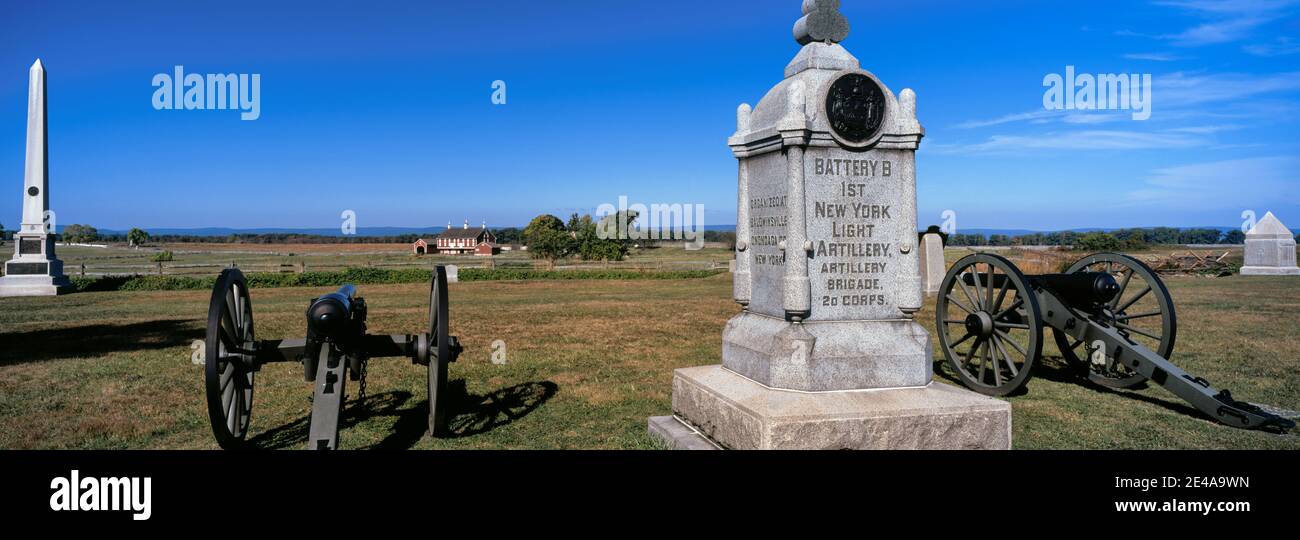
(768, 218)
(854, 223)
(29, 246)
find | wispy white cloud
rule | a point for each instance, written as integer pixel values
(1154, 57)
(1219, 184)
(1093, 139)
(1183, 89)
(1228, 20)
(1182, 96)
(1281, 46)
(1007, 119)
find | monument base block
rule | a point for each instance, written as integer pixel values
(34, 285)
(819, 356)
(737, 413)
(1269, 271)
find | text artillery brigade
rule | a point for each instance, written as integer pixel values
(850, 275)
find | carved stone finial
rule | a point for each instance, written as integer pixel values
(822, 21)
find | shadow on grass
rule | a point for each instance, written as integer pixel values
(1056, 369)
(95, 340)
(470, 415)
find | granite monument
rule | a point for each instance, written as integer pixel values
(825, 353)
(1270, 249)
(35, 270)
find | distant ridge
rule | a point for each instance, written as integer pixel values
(361, 231)
(430, 231)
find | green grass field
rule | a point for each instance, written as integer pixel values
(207, 259)
(587, 362)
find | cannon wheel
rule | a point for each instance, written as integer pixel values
(1143, 309)
(227, 376)
(439, 334)
(986, 304)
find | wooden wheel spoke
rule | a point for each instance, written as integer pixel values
(1133, 300)
(1019, 302)
(988, 287)
(1011, 342)
(232, 415)
(959, 304)
(227, 337)
(997, 305)
(991, 356)
(959, 342)
(961, 280)
(1011, 365)
(1123, 286)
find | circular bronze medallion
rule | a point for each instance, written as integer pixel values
(855, 107)
(33, 191)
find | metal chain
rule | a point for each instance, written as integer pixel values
(361, 385)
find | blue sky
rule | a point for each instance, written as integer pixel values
(385, 108)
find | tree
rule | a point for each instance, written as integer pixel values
(538, 225)
(1097, 241)
(136, 237)
(594, 239)
(1234, 236)
(80, 234)
(547, 239)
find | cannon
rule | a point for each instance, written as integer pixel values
(1111, 317)
(336, 349)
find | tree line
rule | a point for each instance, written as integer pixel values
(82, 234)
(1134, 238)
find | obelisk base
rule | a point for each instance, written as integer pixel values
(734, 412)
(40, 277)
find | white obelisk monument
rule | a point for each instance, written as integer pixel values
(34, 270)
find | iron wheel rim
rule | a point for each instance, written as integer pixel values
(228, 380)
(1007, 318)
(437, 367)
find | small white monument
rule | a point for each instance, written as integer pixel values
(1270, 249)
(34, 270)
(933, 266)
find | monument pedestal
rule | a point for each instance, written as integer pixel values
(1269, 271)
(33, 285)
(818, 356)
(737, 413)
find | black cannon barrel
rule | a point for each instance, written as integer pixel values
(329, 314)
(1080, 289)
